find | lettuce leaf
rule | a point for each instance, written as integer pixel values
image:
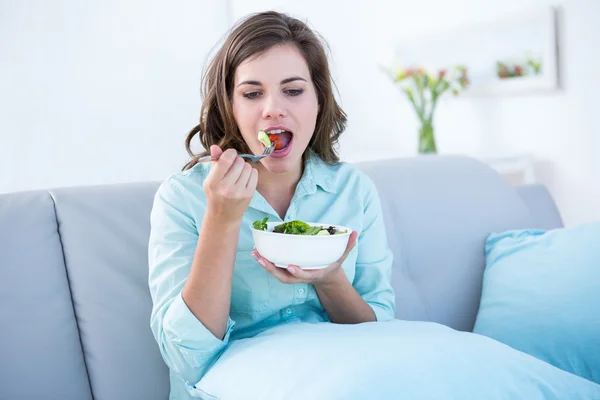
(261, 225)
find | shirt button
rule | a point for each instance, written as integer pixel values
(300, 291)
(288, 311)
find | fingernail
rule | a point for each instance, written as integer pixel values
(254, 255)
(292, 270)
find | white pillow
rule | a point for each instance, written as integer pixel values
(383, 360)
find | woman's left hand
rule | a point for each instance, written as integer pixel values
(295, 274)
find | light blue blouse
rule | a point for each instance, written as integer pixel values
(333, 194)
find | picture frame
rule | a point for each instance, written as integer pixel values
(500, 54)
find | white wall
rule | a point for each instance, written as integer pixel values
(102, 91)
(559, 129)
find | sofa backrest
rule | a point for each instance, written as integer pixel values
(543, 209)
(40, 350)
(74, 298)
(438, 212)
(104, 232)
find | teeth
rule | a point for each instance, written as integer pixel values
(276, 131)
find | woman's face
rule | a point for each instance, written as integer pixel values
(274, 92)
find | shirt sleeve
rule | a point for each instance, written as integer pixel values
(186, 345)
(373, 274)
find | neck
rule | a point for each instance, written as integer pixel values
(278, 188)
(273, 183)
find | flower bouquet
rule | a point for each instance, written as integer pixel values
(424, 88)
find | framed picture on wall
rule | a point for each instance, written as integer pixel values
(514, 54)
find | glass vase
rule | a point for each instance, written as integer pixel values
(427, 139)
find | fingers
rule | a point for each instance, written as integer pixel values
(253, 181)
(233, 174)
(293, 273)
(215, 151)
(278, 273)
(231, 177)
(242, 180)
(301, 274)
(223, 164)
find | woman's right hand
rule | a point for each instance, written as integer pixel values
(229, 186)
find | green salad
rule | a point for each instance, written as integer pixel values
(298, 228)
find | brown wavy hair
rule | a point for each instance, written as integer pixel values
(252, 36)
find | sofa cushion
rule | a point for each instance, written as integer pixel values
(438, 211)
(40, 350)
(105, 231)
(541, 295)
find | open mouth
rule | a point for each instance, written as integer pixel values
(283, 141)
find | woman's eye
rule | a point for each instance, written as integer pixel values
(294, 92)
(251, 95)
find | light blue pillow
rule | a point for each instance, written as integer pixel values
(383, 360)
(541, 295)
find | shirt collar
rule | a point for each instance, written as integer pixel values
(317, 173)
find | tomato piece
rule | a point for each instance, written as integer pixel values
(277, 140)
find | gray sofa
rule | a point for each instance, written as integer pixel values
(74, 301)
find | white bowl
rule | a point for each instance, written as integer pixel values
(307, 252)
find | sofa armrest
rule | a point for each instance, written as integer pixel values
(541, 205)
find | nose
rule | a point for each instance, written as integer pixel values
(273, 107)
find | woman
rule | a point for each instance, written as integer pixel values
(209, 287)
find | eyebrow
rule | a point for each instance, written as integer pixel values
(283, 82)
